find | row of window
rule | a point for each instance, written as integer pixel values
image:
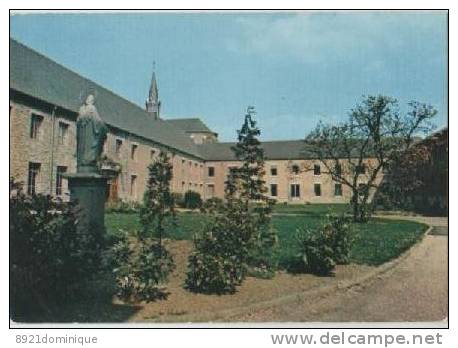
(133, 150)
(295, 190)
(296, 170)
(35, 128)
(34, 175)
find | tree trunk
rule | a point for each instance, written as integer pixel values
(355, 204)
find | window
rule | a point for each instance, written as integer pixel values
(118, 147)
(34, 171)
(133, 186)
(273, 190)
(337, 189)
(59, 172)
(62, 133)
(273, 171)
(295, 190)
(211, 171)
(317, 189)
(133, 152)
(295, 169)
(210, 190)
(361, 169)
(338, 169)
(35, 126)
(316, 169)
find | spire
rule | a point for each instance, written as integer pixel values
(152, 103)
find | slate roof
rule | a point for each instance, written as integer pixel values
(273, 150)
(35, 75)
(190, 125)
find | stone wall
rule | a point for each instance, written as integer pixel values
(46, 149)
(50, 153)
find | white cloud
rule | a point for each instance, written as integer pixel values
(312, 37)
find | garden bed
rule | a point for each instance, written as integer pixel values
(378, 241)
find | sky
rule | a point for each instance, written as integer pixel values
(296, 68)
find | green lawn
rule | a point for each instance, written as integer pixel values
(376, 242)
(311, 209)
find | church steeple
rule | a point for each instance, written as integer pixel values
(153, 105)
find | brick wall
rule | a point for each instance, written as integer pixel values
(47, 150)
(285, 177)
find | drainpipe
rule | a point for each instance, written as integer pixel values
(53, 117)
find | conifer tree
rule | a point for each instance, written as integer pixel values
(239, 238)
(142, 263)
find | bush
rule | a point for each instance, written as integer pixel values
(262, 261)
(323, 248)
(51, 260)
(192, 200)
(341, 238)
(316, 252)
(120, 206)
(216, 265)
(212, 205)
(178, 198)
(141, 267)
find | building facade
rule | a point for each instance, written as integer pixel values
(44, 101)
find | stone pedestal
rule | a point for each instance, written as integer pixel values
(89, 190)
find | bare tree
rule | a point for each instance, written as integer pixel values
(376, 133)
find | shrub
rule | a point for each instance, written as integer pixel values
(323, 248)
(142, 264)
(217, 263)
(261, 260)
(212, 205)
(341, 238)
(120, 206)
(141, 267)
(51, 259)
(192, 200)
(178, 198)
(209, 272)
(316, 252)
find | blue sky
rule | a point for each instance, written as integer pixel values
(295, 68)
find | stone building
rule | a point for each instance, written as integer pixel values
(44, 101)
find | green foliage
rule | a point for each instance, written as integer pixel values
(239, 237)
(316, 252)
(141, 263)
(342, 239)
(51, 258)
(192, 200)
(178, 198)
(324, 247)
(120, 206)
(375, 130)
(262, 258)
(375, 242)
(141, 267)
(212, 205)
(213, 267)
(158, 209)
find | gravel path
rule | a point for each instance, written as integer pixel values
(415, 290)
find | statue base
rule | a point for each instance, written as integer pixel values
(89, 190)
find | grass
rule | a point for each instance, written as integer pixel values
(376, 242)
(311, 209)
